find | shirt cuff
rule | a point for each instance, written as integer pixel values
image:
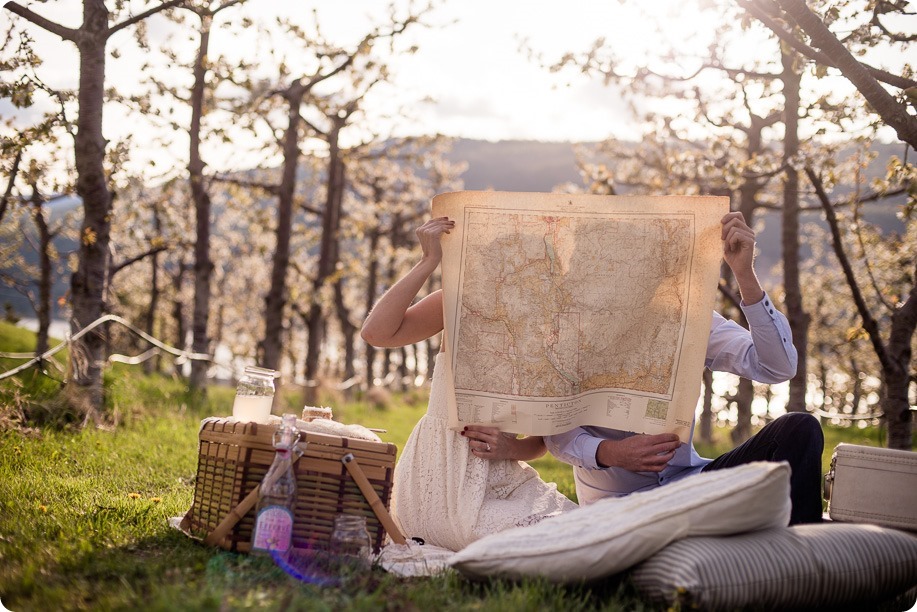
(760, 312)
(590, 448)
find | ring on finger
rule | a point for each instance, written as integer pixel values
(487, 446)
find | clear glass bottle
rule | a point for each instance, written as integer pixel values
(273, 531)
(350, 541)
(254, 395)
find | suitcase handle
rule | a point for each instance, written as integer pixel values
(829, 478)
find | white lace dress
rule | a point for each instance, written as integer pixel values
(450, 498)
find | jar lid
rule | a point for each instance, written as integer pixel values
(262, 371)
(349, 520)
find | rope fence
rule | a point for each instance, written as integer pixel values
(182, 356)
(847, 417)
(159, 347)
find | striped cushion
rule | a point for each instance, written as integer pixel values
(805, 566)
(613, 534)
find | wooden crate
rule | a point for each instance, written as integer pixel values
(233, 457)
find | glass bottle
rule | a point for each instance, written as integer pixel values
(254, 395)
(350, 541)
(273, 531)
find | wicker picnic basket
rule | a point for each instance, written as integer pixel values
(334, 475)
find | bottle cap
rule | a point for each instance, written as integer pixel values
(288, 434)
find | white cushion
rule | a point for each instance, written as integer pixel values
(613, 534)
(805, 567)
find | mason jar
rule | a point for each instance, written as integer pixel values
(350, 541)
(254, 395)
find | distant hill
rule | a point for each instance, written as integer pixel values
(516, 165)
(58, 207)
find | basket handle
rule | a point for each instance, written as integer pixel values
(356, 472)
(235, 515)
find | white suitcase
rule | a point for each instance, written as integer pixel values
(873, 485)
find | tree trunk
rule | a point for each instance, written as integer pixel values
(178, 309)
(44, 280)
(84, 391)
(390, 280)
(386, 363)
(327, 260)
(313, 350)
(349, 331)
(898, 410)
(896, 404)
(402, 368)
(152, 364)
(797, 316)
(203, 266)
(743, 399)
(372, 282)
(748, 195)
(706, 416)
(272, 344)
(431, 349)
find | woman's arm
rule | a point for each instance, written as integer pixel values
(394, 321)
(491, 443)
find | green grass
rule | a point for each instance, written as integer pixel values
(83, 515)
(84, 526)
(33, 387)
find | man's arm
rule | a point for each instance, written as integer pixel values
(637, 453)
(739, 254)
(765, 351)
(576, 447)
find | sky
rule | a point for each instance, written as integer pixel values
(473, 63)
(469, 61)
(470, 65)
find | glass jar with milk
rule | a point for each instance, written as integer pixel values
(254, 395)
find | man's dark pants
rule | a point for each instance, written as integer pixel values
(797, 438)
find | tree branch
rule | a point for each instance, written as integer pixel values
(117, 268)
(268, 187)
(869, 197)
(46, 24)
(892, 112)
(730, 295)
(141, 16)
(309, 209)
(869, 323)
(877, 21)
(9, 186)
(813, 54)
(226, 5)
(768, 174)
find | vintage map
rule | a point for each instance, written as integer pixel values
(566, 310)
